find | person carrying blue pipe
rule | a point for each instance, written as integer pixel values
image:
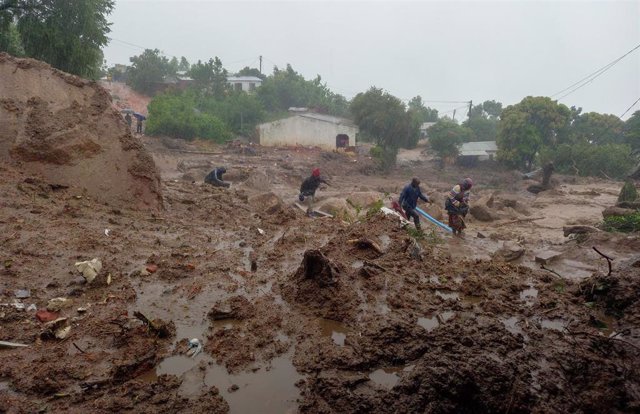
(409, 200)
(457, 205)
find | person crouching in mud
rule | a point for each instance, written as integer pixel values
(409, 200)
(309, 187)
(215, 177)
(457, 205)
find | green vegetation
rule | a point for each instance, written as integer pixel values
(446, 136)
(628, 192)
(625, 224)
(608, 161)
(69, 35)
(178, 116)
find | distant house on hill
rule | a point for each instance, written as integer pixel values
(424, 127)
(472, 152)
(309, 129)
(244, 83)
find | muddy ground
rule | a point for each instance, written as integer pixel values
(295, 315)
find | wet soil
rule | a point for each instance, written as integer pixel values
(293, 316)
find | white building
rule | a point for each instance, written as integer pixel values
(244, 83)
(309, 129)
(424, 127)
(480, 151)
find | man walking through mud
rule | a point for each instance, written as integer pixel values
(309, 187)
(409, 200)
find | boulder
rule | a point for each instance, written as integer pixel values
(481, 212)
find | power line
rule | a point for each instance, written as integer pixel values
(629, 108)
(591, 77)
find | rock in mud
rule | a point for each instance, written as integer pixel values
(237, 307)
(617, 212)
(481, 212)
(510, 251)
(57, 304)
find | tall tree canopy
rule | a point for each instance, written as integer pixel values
(632, 130)
(445, 137)
(148, 68)
(483, 121)
(210, 77)
(599, 129)
(383, 117)
(287, 88)
(528, 126)
(67, 34)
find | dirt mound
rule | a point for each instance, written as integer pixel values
(65, 129)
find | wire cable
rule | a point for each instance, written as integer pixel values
(629, 108)
(591, 77)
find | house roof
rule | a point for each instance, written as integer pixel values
(327, 118)
(478, 148)
(244, 79)
(322, 117)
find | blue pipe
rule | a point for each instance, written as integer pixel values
(434, 221)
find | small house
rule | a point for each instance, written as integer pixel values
(309, 129)
(244, 83)
(472, 152)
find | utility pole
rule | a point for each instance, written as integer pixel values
(470, 105)
(260, 63)
(454, 114)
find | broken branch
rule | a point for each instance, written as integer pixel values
(609, 259)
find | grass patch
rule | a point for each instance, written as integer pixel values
(624, 224)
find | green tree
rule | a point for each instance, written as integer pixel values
(147, 69)
(287, 88)
(632, 131)
(483, 121)
(67, 34)
(421, 112)
(527, 127)
(247, 71)
(383, 117)
(445, 137)
(598, 129)
(184, 64)
(210, 77)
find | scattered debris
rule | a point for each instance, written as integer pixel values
(57, 328)
(158, 326)
(364, 243)
(152, 268)
(195, 347)
(106, 232)
(46, 316)
(89, 269)
(22, 293)
(5, 344)
(57, 304)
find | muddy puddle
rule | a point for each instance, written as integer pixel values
(267, 389)
(529, 295)
(335, 330)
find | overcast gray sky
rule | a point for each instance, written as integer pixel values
(453, 50)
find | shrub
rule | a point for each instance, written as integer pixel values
(177, 116)
(625, 224)
(628, 192)
(611, 160)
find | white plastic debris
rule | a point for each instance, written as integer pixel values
(32, 308)
(387, 211)
(106, 232)
(195, 347)
(261, 231)
(89, 269)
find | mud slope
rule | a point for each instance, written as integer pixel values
(65, 129)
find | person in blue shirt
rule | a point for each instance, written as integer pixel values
(409, 200)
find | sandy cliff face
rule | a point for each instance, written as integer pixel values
(64, 128)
